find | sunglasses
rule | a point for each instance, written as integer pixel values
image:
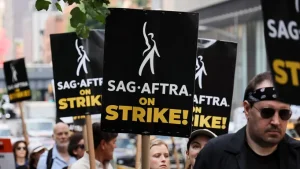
(80, 146)
(284, 114)
(19, 148)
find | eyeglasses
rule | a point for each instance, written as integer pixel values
(80, 146)
(19, 148)
(284, 114)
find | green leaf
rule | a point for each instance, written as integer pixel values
(42, 4)
(97, 3)
(103, 11)
(77, 17)
(70, 2)
(82, 31)
(93, 12)
(58, 6)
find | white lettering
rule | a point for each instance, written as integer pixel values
(210, 100)
(83, 83)
(111, 85)
(146, 88)
(131, 86)
(283, 30)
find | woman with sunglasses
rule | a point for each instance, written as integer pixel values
(21, 154)
(76, 145)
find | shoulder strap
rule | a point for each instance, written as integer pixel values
(49, 161)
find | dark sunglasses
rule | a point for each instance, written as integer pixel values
(284, 114)
(80, 146)
(19, 148)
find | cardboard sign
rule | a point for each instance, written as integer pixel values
(7, 159)
(77, 69)
(16, 79)
(149, 71)
(281, 22)
(215, 69)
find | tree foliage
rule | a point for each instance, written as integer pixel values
(95, 9)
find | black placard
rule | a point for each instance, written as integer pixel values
(281, 23)
(215, 69)
(77, 68)
(149, 71)
(16, 79)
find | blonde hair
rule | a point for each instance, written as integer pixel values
(157, 142)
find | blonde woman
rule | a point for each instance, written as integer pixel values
(159, 155)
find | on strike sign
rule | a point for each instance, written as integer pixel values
(215, 69)
(281, 22)
(149, 71)
(16, 80)
(77, 69)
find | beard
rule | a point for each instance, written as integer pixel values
(62, 145)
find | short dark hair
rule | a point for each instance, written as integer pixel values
(73, 144)
(99, 135)
(256, 80)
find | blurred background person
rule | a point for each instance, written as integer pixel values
(159, 155)
(104, 145)
(35, 151)
(58, 156)
(195, 144)
(76, 146)
(20, 150)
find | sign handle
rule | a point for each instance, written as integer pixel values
(23, 123)
(145, 151)
(90, 141)
(85, 137)
(138, 151)
(175, 153)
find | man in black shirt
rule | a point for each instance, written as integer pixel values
(262, 143)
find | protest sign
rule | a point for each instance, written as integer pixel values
(215, 69)
(7, 159)
(77, 69)
(16, 80)
(281, 22)
(149, 71)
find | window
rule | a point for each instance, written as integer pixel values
(39, 126)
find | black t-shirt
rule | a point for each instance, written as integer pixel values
(255, 161)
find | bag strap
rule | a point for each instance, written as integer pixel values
(49, 161)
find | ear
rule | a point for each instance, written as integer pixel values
(247, 108)
(102, 144)
(187, 152)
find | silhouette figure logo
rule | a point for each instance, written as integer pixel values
(82, 58)
(150, 52)
(14, 73)
(200, 67)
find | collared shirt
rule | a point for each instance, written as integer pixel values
(58, 161)
(84, 163)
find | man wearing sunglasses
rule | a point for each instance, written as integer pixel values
(262, 143)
